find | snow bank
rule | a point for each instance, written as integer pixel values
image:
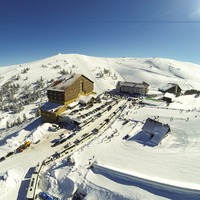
(16, 141)
(186, 102)
(9, 181)
(100, 186)
(153, 181)
(56, 181)
(39, 132)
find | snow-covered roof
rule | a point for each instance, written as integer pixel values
(169, 95)
(85, 99)
(64, 82)
(73, 104)
(156, 129)
(132, 84)
(168, 86)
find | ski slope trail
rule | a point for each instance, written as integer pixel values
(99, 87)
(120, 76)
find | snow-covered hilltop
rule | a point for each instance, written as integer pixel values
(155, 71)
(125, 165)
(24, 84)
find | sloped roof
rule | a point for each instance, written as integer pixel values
(65, 81)
(156, 129)
(168, 86)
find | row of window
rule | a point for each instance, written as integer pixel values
(55, 98)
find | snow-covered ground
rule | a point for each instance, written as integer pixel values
(123, 169)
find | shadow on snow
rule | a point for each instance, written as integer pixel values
(159, 190)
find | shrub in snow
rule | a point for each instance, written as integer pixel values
(106, 71)
(25, 70)
(56, 67)
(63, 72)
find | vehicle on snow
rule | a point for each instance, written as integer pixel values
(45, 196)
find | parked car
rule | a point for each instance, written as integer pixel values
(77, 141)
(56, 143)
(63, 140)
(109, 107)
(98, 114)
(9, 154)
(2, 158)
(54, 127)
(45, 196)
(107, 120)
(94, 131)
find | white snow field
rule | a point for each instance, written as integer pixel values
(122, 169)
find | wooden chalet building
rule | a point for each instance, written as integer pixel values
(63, 92)
(67, 89)
(132, 88)
(172, 88)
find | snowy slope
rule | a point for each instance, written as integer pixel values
(155, 71)
(124, 167)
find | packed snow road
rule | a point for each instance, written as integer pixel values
(29, 158)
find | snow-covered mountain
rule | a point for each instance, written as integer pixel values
(125, 169)
(155, 71)
(28, 82)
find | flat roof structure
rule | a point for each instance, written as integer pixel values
(157, 130)
(50, 107)
(132, 84)
(169, 95)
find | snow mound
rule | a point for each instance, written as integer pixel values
(56, 181)
(39, 132)
(9, 180)
(16, 141)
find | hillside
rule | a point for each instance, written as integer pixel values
(123, 168)
(36, 76)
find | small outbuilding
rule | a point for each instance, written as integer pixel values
(169, 97)
(156, 129)
(65, 119)
(85, 100)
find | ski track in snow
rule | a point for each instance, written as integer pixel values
(89, 71)
(145, 70)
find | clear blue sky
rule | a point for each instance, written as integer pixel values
(35, 29)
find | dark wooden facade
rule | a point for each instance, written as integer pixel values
(173, 89)
(63, 92)
(51, 116)
(70, 89)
